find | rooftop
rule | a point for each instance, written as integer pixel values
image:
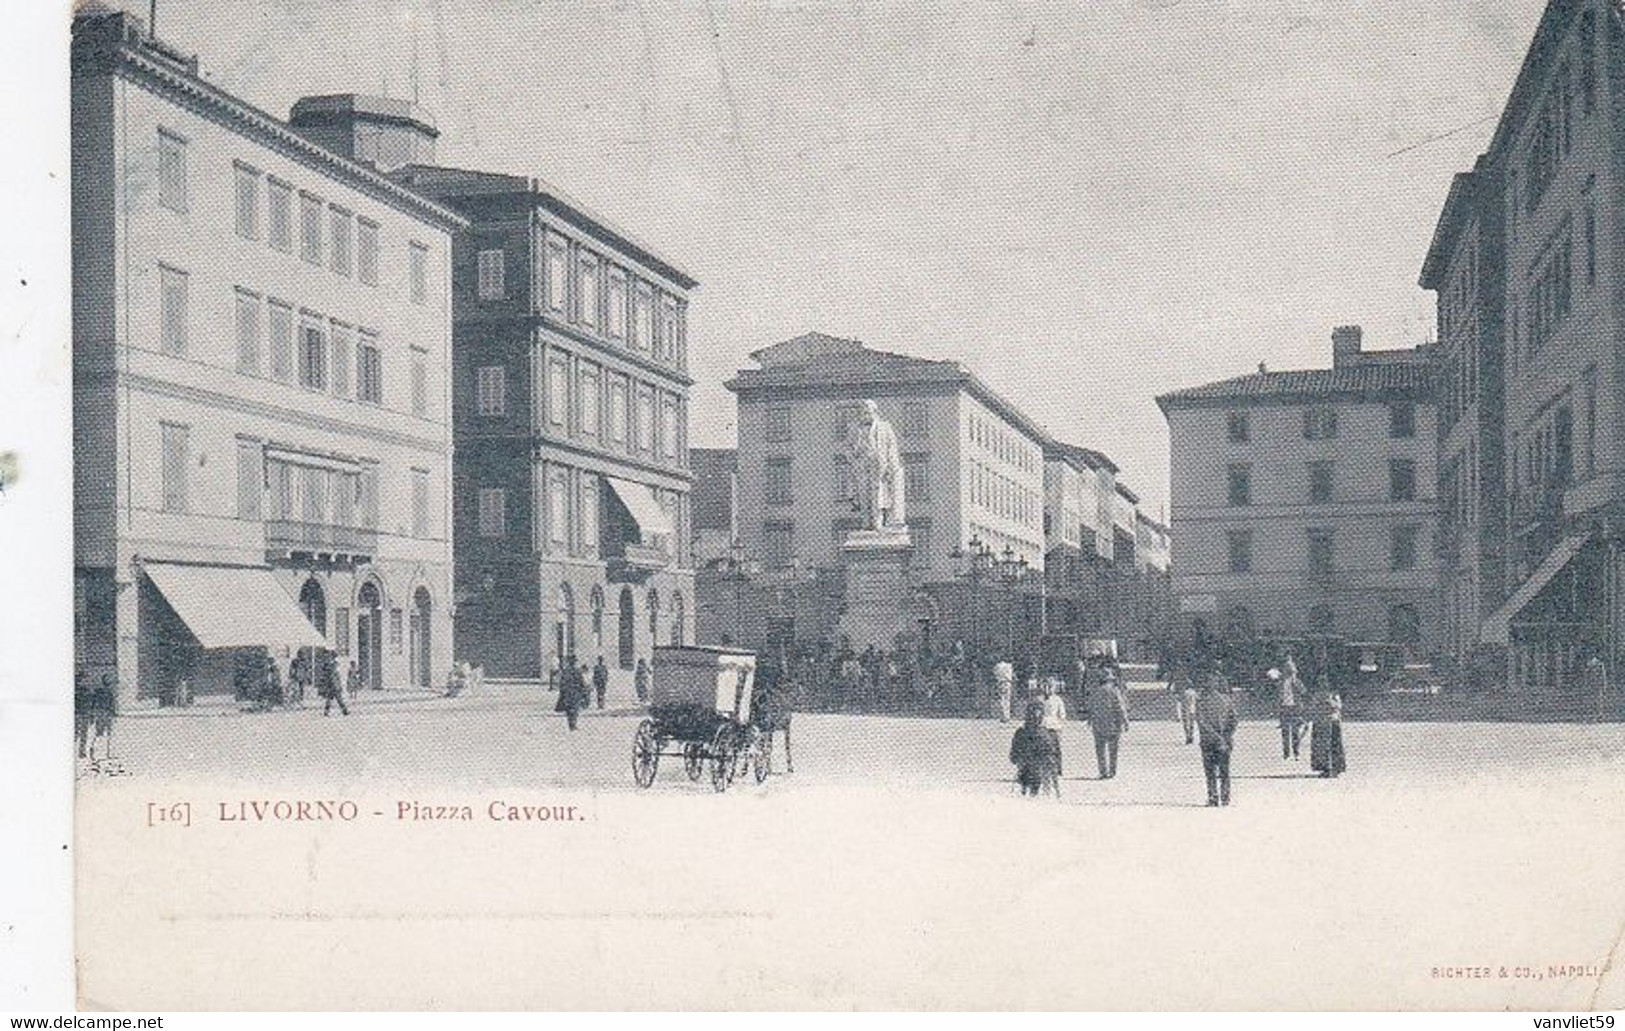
(1364, 381)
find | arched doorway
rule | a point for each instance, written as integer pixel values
(677, 618)
(422, 648)
(627, 653)
(313, 603)
(564, 626)
(369, 635)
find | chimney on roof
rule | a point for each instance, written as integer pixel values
(379, 131)
(1346, 346)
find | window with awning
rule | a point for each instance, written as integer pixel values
(652, 518)
(233, 606)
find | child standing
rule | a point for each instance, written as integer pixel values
(1036, 754)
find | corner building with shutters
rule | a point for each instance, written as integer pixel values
(262, 412)
(570, 387)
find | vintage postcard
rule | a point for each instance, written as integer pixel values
(1113, 505)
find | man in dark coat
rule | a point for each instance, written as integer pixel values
(600, 680)
(1216, 725)
(572, 692)
(327, 683)
(1108, 718)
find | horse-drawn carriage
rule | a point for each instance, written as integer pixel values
(700, 702)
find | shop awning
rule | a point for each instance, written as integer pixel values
(233, 606)
(1497, 629)
(652, 520)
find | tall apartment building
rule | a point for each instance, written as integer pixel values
(1304, 501)
(974, 464)
(262, 416)
(1546, 211)
(572, 481)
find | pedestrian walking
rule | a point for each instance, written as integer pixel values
(1216, 723)
(1004, 685)
(1184, 694)
(640, 681)
(1055, 718)
(1036, 755)
(327, 683)
(600, 680)
(1289, 688)
(1108, 718)
(572, 692)
(1326, 733)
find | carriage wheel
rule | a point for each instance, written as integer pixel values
(694, 760)
(723, 757)
(645, 754)
(762, 755)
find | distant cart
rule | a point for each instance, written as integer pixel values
(700, 711)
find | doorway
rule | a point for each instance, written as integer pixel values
(369, 636)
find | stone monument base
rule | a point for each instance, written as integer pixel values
(876, 606)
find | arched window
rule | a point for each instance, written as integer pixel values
(654, 616)
(677, 618)
(596, 601)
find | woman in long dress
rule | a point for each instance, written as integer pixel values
(1326, 732)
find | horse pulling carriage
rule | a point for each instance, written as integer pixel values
(700, 710)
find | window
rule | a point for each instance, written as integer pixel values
(1402, 552)
(668, 327)
(1402, 420)
(172, 302)
(366, 251)
(493, 516)
(777, 487)
(248, 333)
(1240, 484)
(369, 496)
(369, 370)
(310, 228)
(558, 509)
(420, 382)
(420, 502)
(173, 440)
(248, 201)
(778, 424)
(1320, 553)
(1319, 423)
(587, 403)
(491, 390)
(1401, 479)
(589, 513)
(668, 428)
(1238, 426)
(617, 409)
(419, 273)
(916, 481)
(777, 544)
(1320, 483)
(589, 293)
(346, 492)
(171, 171)
(643, 318)
(558, 391)
(340, 336)
(615, 306)
(340, 226)
(556, 269)
(646, 419)
(312, 357)
(281, 325)
(492, 274)
(279, 214)
(1240, 547)
(314, 490)
(914, 426)
(250, 478)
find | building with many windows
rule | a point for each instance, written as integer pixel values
(1531, 298)
(1304, 501)
(261, 333)
(570, 392)
(974, 464)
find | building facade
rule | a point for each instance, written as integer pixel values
(572, 481)
(973, 463)
(261, 334)
(714, 532)
(1304, 501)
(1549, 201)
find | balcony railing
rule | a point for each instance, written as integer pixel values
(288, 536)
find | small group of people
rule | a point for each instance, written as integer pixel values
(95, 703)
(578, 686)
(1207, 713)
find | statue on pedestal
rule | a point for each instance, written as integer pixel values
(877, 472)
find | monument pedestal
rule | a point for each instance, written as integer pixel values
(877, 598)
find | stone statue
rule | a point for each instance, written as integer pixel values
(877, 471)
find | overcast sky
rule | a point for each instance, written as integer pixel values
(1088, 203)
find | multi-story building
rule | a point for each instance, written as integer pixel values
(261, 333)
(1304, 500)
(571, 397)
(1466, 267)
(974, 463)
(1546, 196)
